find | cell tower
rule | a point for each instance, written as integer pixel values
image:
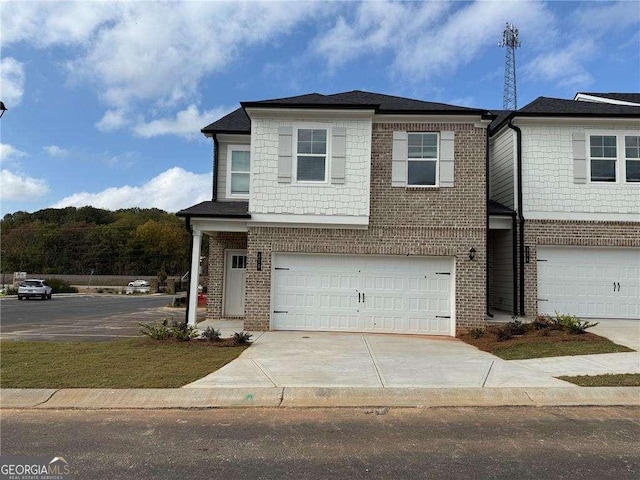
(510, 41)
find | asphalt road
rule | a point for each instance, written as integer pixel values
(82, 317)
(453, 443)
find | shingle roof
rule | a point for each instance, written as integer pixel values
(235, 122)
(238, 121)
(217, 209)
(625, 97)
(496, 208)
(559, 107)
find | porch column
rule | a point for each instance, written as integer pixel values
(194, 275)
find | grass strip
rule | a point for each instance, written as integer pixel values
(610, 380)
(132, 363)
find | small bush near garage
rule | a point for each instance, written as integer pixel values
(60, 286)
(544, 337)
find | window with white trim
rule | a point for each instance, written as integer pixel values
(603, 153)
(239, 171)
(422, 159)
(311, 154)
(632, 157)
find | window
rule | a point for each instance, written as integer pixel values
(311, 154)
(632, 157)
(239, 171)
(603, 155)
(422, 167)
(239, 262)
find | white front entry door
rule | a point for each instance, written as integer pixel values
(234, 282)
(589, 282)
(363, 293)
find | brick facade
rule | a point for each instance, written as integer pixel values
(577, 233)
(403, 221)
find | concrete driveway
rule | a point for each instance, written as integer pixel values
(315, 359)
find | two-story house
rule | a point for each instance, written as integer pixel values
(352, 212)
(564, 230)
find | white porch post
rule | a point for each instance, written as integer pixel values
(194, 275)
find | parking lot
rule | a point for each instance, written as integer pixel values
(83, 317)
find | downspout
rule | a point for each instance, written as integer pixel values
(187, 224)
(214, 195)
(486, 224)
(520, 216)
(514, 263)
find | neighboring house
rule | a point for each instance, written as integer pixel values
(564, 229)
(352, 212)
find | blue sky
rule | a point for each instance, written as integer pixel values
(106, 99)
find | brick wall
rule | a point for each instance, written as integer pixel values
(577, 233)
(415, 221)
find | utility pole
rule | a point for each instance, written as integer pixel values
(510, 41)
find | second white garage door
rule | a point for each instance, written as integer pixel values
(589, 282)
(364, 293)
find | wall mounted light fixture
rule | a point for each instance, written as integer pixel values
(472, 253)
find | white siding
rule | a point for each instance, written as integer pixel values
(222, 162)
(548, 187)
(350, 198)
(502, 159)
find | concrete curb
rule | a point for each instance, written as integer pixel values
(308, 397)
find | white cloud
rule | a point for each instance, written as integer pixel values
(172, 190)
(601, 17)
(11, 81)
(112, 120)
(21, 187)
(55, 151)
(428, 39)
(9, 153)
(563, 65)
(186, 123)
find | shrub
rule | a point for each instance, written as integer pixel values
(516, 327)
(476, 332)
(578, 327)
(157, 331)
(60, 286)
(11, 290)
(183, 331)
(504, 333)
(211, 334)
(240, 338)
(542, 322)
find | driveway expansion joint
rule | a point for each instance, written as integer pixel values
(373, 360)
(47, 399)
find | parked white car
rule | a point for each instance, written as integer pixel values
(139, 283)
(34, 287)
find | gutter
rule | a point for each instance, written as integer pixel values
(521, 219)
(486, 229)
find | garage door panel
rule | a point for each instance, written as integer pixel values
(401, 295)
(589, 282)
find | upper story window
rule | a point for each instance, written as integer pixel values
(239, 171)
(632, 157)
(422, 165)
(603, 154)
(311, 155)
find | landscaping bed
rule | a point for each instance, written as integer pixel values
(133, 363)
(545, 337)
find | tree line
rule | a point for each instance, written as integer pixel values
(76, 241)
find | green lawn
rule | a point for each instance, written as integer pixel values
(136, 363)
(557, 349)
(621, 380)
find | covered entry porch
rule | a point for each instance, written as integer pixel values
(225, 223)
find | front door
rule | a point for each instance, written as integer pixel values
(234, 282)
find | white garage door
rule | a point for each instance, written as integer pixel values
(364, 293)
(589, 282)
